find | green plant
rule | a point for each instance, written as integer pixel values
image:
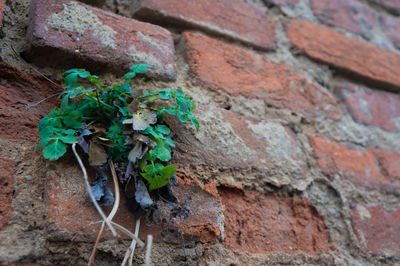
(118, 124)
(113, 122)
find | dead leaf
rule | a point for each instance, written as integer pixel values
(143, 118)
(97, 154)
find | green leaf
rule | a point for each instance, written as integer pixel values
(182, 103)
(46, 131)
(83, 73)
(129, 75)
(168, 171)
(54, 150)
(182, 117)
(165, 94)
(163, 129)
(73, 120)
(157, 182)
(68, 139)
(161, 152)
(195, 122)
(71, 80)
(43, 142)
(140, 68)
(169, 142)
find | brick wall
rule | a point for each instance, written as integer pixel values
(297, 160)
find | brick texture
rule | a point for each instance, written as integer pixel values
(229, 140)
(18, 89)
(250, 24)
(225, 68)
(377, 229)
(361, 167)
(350, 15)
(79, 34)
(391, 27)
(258, 223)
(2, 9)
(6, 190)
(370, 107)
(389, 162)
(393, 5)
(70, 213)
(328, 46)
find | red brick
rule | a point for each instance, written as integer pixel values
(393, 5)
(370, 107)
(258, 223)
(6, 190)
(350, 15)
(235, 71)
(391, 27)
(76, 34)
(389, 162)
(377, 229)
(282, 2)
(359, 166)
(2, 9)
(17, 89)
(71, 214)
(331, 47)
(236, 19)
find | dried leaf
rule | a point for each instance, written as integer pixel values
(142, 196)
(97, 154)
(135, 152)
(133, 107)
(143, 118)
(102, 192)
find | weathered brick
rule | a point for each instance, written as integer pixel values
(389, 162)
(2, 9)
(350, 15)
(370, 107)
(377, 229)
(282, 2)
(78, 34)
(393, 5)
(221, 67)
(6, 190)
(258, 223)
(391, 27)
(331, 47)
(70, 212)
(250, 25)
(229, 140)
(358, 165)
(18, 89)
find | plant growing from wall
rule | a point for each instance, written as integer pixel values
(116, 124)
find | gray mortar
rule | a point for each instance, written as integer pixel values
(77, 18)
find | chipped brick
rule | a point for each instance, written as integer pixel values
(268, 224)
(376, 108)
(350, 15)
(228, 69)
(377, 229)
(326, 45)
(78, 34)
(250, 25)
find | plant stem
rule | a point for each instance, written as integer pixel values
(148, 249)
(112, 213)
(131, 249)
(90, 191)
